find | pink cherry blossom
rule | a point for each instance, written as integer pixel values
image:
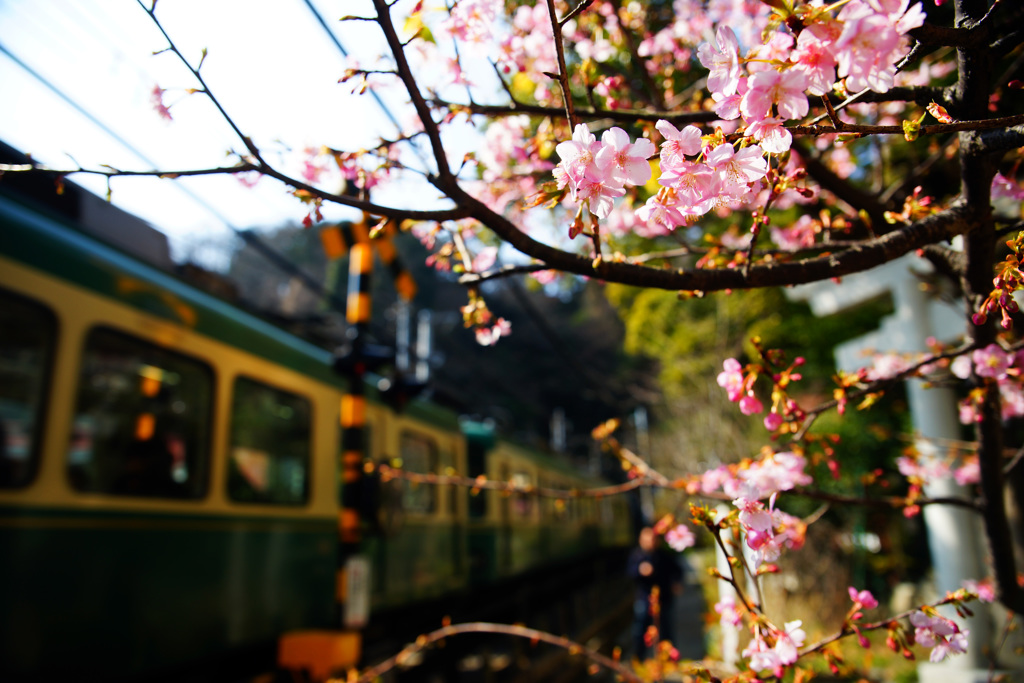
(781, 471)
(939, 633)
(984, 589)
(991, 361)
(627, 162)
(785, 651)
(731, 615)
(776, 49)
(660, 216)
(783, 89)
(968, 412)
(545, 277)
(678, 143)
(731, 378)
(863, 598)
(488, 336)
(722, 59)
(750, 405)
(599, 192)
(798, 235)
(1011, 395)
(473, 21)
(968, 473)
(761, 656)
(770, 134)
(1004, 188)
(961, 367)
(886, 366)
(156, 99)
(679, 538)
(484, 259)
(753, 514)
(813, 57)
(312, 167)
(727, 107)
(865, 51)
(737, 169)
(691, 181)
(788, 642)
(714, 479)
(577, 155)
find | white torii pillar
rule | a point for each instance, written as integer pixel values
(954, 534)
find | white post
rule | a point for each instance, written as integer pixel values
(403, 336)
(954, 534)
(424, 345)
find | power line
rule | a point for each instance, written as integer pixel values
(278, 260)
(344, 53)
(373, 93)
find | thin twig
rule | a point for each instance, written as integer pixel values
(563, 75)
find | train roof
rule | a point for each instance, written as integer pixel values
(84, 240)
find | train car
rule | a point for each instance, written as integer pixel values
(168, 468)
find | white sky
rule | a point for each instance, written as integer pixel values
(270, 63)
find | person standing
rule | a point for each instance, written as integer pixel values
(651, 566)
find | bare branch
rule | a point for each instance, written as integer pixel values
(428, 639)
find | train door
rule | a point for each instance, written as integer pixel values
(504, 474)
(481, 546)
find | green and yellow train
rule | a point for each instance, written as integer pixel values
(168, 469)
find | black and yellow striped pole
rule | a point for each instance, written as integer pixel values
(353, 427)
(321, 653)
(337, 240)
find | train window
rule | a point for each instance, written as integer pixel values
(142, 419)
(419, 454)
(271, 437)
(28, 332)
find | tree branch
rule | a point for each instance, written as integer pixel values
(428, 639)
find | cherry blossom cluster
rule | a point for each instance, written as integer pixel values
(756, 479)
(943, 635)
(510, 161)
(730, 614)
(861, 43)
(738, 382)
(1009, 277)
(597, 172)
(1006, 188)
(862, 600)
(486, 327)
(156, 99)
(719, 175)
(783, 650)
(768, 530)
(997, 365)
(924, 470)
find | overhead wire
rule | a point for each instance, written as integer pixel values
(373, 93)
(277, 259)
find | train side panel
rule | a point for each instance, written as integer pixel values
(423, 552)
(99, 580)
